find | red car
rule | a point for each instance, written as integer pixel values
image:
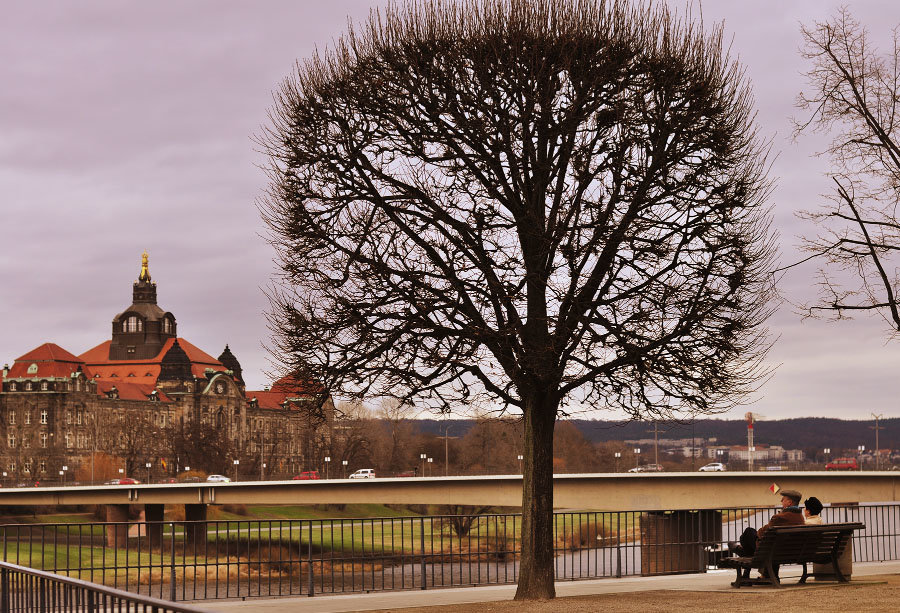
(123, 481)
(842, 464)
(306, 475)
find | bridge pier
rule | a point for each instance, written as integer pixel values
(194, 534)
(153, 515)
(117, 534)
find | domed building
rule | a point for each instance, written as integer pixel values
(147, 395)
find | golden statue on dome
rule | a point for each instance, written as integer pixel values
(145, 268)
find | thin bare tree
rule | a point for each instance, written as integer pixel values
(544, 205)
(853, 93)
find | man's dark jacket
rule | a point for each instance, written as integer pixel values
(789, 516)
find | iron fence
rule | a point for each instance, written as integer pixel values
(23, 590)
(182, 560)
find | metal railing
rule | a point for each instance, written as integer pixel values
(26, 589)
(180, 560)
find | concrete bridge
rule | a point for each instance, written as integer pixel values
(600, 491)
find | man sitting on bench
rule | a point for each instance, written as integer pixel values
(789, 515)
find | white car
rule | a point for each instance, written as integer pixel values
(713, 467)
(218, 479)
(363, 473)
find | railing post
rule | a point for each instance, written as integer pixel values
(4, 590)
(618, 544)
(312, 589)
(422, 550)
(172, 590)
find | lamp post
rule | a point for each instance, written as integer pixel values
(826, 451)
(327, 462)
(430, 460)
(148, 465)
(236, 464)
(618, 455)
(876, 427)
(521, 457)
(422, 457)
(860, 449)
(637, 452)
(344, 469)
(62, 477)
(121, 473)
(63, 473)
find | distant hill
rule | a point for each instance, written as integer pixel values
(799, 433)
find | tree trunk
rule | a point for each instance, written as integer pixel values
(536, 568)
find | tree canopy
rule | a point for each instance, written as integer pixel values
(539, 204)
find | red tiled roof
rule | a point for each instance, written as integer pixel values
(49, 352)
(286, 387)
(145, 371)
(51, 360)
(129, 390)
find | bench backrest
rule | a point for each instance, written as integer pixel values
(816, 543)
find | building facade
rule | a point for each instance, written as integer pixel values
(148, 396)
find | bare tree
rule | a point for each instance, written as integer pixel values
(544, 205)
(854, 92)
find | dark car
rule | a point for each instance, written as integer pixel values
(307, 475)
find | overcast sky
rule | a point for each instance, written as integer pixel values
(127, 126)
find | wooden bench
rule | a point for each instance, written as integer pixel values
(821, 544)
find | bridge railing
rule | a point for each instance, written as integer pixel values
(23, 590)
(178, 560)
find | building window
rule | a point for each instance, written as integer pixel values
(32, 370)
(167, 325)
(82, 440)
(11, 440)
(43, 466)
(78, 418)
(68, 417)
(133, 324)
(28, 386)
(43, 386)
(12, 386)
(26, 441)
(68, 440)
(11, 467)
(44, 417)
(12, 418)
(27, 467)
(27, 417)
(43, 440)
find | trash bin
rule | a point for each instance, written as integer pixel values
(678, 541)
(825, 572)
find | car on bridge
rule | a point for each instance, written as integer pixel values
(122, 481)
(218, 479)
(842, 464)
(363, 473)
(647, 468)
(307, 475)
(713, 467)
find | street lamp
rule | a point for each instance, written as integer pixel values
(637, 452)
(148, 471)
(430, 460)
(327, 462)
(187, 468)
(344, 469)
(422, 457)
(236, 464)
(618, 455)
(63, 473)
(521, 457)
(860, 449)
(827, 451)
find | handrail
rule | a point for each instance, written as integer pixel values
(94, 597)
